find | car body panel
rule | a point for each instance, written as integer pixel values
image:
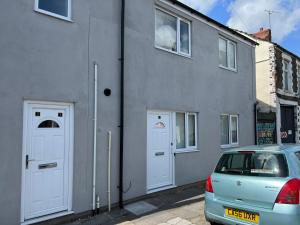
(254, 194)
(243, 190)
(278, 215)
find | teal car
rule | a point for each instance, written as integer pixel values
(255, 185)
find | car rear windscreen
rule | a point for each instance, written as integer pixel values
(253, 164)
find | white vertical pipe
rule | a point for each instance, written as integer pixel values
(95, 133)
(278, 121)
(109, 172)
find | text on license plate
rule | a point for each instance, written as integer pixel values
(242, 215)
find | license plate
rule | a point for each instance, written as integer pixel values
(242, 215)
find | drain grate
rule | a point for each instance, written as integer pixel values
(140, 208)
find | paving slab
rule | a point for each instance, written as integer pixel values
(177, 207)
(140, 208)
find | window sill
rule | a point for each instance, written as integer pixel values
(175, 53)
(227, 68)
(289, 92)
(186, 151)
(229, 146)
(68, 19)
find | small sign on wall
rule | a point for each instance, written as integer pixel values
(266, 132)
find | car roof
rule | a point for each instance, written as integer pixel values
(267, 148)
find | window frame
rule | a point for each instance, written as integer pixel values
(288, 62)
(187, 130)
(67, 18)
(228, 121)
(187, 147)
(228, 157)
(231, 143)
(228, 41)
(237, 130)
(178, 20)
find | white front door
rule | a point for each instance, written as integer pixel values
(159, 156)
(47, 159)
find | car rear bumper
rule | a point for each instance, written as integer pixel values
(279, 215)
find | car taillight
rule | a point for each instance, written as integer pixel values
(290, 193)
(209, 187)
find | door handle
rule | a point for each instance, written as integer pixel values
(27, 160)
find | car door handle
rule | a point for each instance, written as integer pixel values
(159, 153)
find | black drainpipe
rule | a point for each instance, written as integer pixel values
(122, 105)
(255, 122)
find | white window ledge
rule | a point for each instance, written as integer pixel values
(229, 146)
(186, 151)
(287, 93)
(173, 52)
(227, 68)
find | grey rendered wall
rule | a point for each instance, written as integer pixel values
(48, 59)
(105, 50)
(158, 80)
(43, 58)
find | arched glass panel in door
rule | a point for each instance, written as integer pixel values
(48, 124)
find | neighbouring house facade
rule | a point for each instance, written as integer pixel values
(189, 94)
(278, 91)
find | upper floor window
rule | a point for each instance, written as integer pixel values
(57, 8)
(172, 33)
(286, 75)
(227, 53)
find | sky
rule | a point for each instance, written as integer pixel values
(251, 15)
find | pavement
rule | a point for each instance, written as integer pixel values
(180, 206)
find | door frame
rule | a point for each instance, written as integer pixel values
(294, 121)
(282, 102)
(172, 151)
(47, 104)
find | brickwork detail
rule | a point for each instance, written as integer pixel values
(297, 130)
(272, 74)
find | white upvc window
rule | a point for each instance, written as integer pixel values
(287, 76)
(172, 33)
(56, 8)
(186, 131)
(229, 130)
(227, 54)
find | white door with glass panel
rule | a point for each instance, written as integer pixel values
(160, 157)
(47, 152)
